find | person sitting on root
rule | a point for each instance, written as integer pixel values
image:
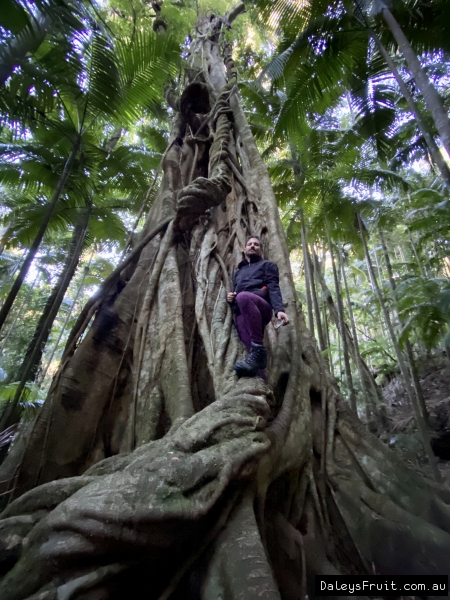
(256, 293)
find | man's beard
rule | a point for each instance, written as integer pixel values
(254, 257)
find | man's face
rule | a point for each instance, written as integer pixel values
(252, 248)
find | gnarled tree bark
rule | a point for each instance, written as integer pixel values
(152, 467)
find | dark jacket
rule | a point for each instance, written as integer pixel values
(257, 275)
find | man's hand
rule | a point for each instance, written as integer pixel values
(283, 317)
(231, 297)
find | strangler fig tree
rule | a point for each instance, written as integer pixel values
(151, 468)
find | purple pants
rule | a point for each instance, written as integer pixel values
(256, 313)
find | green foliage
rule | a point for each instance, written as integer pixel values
(424, 303)
(68, 78)
(339, 140)
(32, 398)
(331, 123)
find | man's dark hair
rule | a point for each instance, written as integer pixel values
(252, 237)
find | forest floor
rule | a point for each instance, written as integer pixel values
(402, 435)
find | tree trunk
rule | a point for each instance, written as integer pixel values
(20, 311)
(350, 341)
(28, 369)
(380, 272)
(320, 334)
(429, 139)
(4, 312)
(327, 337)
(365, 373)
(56, 297)
(371, 392)
(236, 488)
(430, 95)
(408, 347)
(416, 255)
(421, 425)
(342, 329)
(63, 328)
(309, 280)
(308, 277)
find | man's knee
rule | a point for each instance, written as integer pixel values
(244, 298)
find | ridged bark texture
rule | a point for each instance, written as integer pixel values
(235, 489)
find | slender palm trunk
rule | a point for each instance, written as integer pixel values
(428, 137)
(380, 272)
(370, 388)
(373, 287)
(416, 255)
(372, 282)
(337, 341)
(30, 364)
(403, 368)
(66, 321)
(308, 278)
(4, 312)
(408, 347)
(320, 334)
(446, 262)
(20, 313)
(327, 338)
(429, 92)
(342, 326)
(309, 282)
(56, 297)
(360, 363)
(318, 275)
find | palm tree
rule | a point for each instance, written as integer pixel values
(417, 410)
(434, 149)
(429, 92)
(26, 26)
(92, 218)
(324, 164)
(325, 53)
(97, 80)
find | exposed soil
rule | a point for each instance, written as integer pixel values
(403, 435)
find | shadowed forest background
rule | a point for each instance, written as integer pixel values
(157, 136)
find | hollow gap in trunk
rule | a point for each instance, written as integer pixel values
(278, 497)
(164, 423)
(280, 389)
(196, 98)
(202, 384)
(303, 524)
(441, 445)
(203, 158)
(315, 398)
(264, 237)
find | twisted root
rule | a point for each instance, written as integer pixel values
(204, 193)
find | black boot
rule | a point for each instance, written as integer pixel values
(254, 362)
